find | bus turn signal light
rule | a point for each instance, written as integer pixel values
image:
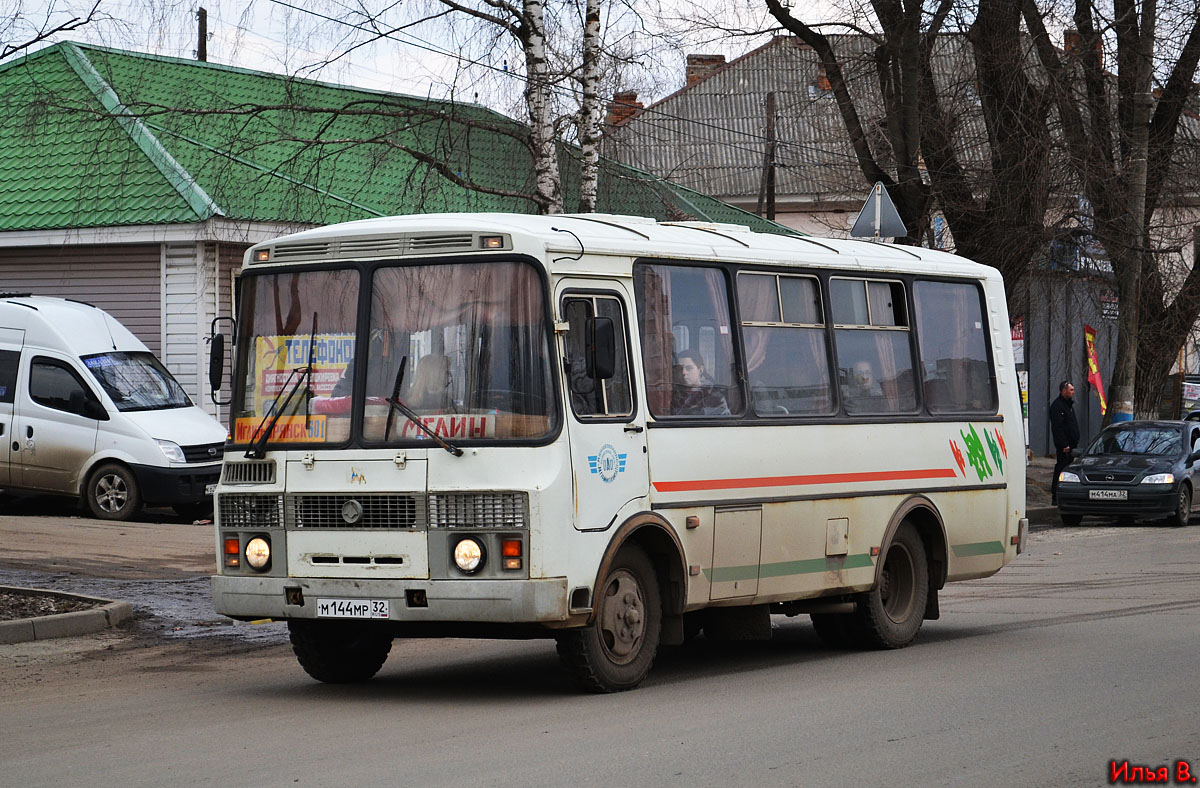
(232, 551)
(510, 548)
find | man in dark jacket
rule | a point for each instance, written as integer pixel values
(1065, 431)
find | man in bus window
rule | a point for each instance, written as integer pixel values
(863, 383)
(697, 395)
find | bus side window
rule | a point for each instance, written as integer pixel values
(871, 335)
(595, 397)
(953, 347)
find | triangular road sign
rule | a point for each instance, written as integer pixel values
(878, 217)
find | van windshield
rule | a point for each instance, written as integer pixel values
(136, 381)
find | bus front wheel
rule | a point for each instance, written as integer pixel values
(889, 615)
(616, 650)
(338, 652)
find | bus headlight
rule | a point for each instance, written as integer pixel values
(258, 553)
(468, 555)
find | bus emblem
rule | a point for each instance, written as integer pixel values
(352, 512)
(607, 463)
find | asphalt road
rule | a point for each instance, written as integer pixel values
(1082, 651)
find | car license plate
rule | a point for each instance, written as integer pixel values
(353, 608)
(209, 489)
(1108, 495)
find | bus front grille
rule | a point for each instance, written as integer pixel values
(355, 511)
(241, 510)
(253, 472)
(479, 510)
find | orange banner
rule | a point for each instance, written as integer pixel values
(1089, 335)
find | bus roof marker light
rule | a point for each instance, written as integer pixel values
(262, 256)
(492, 241)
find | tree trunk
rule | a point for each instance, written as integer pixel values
(589, 110)
(547, 187)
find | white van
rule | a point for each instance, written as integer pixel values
(87, 410)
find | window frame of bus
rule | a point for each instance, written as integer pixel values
(590, 295)
(823, 327)
(554, 406)
(918, 405)
(738, 383)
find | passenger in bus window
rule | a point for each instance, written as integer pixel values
(863, 383)
(430, 391)
(697, 395)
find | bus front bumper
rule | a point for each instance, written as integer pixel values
(427, 601)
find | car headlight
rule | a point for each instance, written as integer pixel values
(468, 555)
(258, 552)
(1159, 478)
(171, 451)
(1067, 476)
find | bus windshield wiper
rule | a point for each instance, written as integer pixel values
(396, 404)
(258, 443)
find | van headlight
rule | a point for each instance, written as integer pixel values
(171, 451)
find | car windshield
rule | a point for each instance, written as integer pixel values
(1137, 439)
(136, 381)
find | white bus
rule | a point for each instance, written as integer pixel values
(611, 431)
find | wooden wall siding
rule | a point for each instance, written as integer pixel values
(184, 305)
(121, 279)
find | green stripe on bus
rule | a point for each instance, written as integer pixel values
(977, 548)
(727, 574)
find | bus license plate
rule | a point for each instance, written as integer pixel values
(353, 608)
(1108, 495)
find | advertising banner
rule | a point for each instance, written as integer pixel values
(1089, 335)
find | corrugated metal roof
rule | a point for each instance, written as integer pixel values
(91, 136)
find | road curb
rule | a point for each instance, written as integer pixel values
(107, 613)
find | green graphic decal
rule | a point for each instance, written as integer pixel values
(994, 448)
(975, 454)
(726, 574)
(977, 548)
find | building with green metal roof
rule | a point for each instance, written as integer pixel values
(136, 181)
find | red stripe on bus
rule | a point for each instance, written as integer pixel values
(819, 478)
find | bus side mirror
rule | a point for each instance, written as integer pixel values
(216, 362)
(600, 338)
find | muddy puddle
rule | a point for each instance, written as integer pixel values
(171, 608)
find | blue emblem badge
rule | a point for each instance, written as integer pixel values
(607, 463)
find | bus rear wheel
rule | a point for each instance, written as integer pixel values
(615, 652)
(339, 652)
(889, 615)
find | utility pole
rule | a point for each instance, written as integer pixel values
(766, 190)
(202, 38)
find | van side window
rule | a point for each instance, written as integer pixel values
(55, 385)
(8, 374)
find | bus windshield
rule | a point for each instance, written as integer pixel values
(463, 346)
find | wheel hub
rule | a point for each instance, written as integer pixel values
(622, 617)
(112, 494)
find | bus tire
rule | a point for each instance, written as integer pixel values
(338, 652)
(890, 615)
(614, 652)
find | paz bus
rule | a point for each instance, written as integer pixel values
(610, 431)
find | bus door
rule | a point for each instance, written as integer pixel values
(605, 428)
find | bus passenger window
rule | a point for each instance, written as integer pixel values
(953, 347)
(786, 360)
(871, 336)
(687, 341)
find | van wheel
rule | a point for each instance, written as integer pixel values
(339, 652)
(112, 493)
(615, 651)
(889, 615)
